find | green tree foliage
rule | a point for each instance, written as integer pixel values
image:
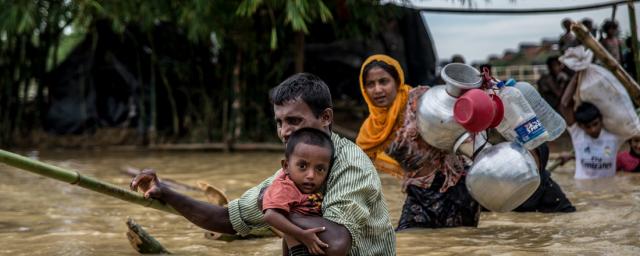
(252, 44)
(30, 32)
(296, 13)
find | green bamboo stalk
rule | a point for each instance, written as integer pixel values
(75, 178)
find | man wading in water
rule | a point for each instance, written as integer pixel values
(354, 213)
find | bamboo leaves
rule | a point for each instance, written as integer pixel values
(248, 7)
(300, 12)
(297, 13)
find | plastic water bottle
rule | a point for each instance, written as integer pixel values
(552, 121)
(520, 123)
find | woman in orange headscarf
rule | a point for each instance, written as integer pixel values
(432, 179)
(384, 91)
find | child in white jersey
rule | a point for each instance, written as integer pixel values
(595, 147)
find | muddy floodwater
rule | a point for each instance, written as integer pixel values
(40, 216)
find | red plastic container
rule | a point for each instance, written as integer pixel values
(499, 111)
(475, 110)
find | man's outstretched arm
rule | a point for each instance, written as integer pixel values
(217, 218)
(205, 215)
(208, 216)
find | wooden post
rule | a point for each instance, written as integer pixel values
(141, 241)
(299, 51)
(608, 61)
(634, 36)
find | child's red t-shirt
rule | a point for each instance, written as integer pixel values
(284, 195)
(627, 162)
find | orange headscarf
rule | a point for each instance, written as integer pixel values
(379, 128)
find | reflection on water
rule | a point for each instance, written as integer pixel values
(39, 216)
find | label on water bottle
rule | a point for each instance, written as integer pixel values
(529, 130)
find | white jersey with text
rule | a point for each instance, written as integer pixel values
(595, 158)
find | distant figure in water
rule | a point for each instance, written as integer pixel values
(552, 85)
(588, 23)
(610, 40)
(567, 39)
(457, 58)
(629, 161)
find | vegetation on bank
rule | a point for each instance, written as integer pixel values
(202, 67)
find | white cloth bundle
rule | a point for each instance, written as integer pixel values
(601, 88)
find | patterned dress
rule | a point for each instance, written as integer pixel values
(434, 179)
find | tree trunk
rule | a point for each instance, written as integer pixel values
(225, 125)
(236, 105)
(240, 103)
(299, 52)
(12, 50)
(21, 79)
(152, 132)
(172, 102)
(208, 115)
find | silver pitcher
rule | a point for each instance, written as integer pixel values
(435, 111)
(502, 176)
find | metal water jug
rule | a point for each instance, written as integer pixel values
(502, 176)
(435, 111)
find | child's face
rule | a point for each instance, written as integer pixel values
(634, 144)
(308, 166)
(556, 67)
(592, 128)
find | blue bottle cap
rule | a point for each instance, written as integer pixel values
(500, 84)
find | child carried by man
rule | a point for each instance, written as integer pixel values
(298, 189)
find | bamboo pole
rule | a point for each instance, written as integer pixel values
(609, 62)
(634, 36)
(75, 178)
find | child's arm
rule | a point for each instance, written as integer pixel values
(307, 237)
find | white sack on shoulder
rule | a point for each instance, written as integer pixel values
(601, 88)
(577, 58)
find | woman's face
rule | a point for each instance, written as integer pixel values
(380, 87)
